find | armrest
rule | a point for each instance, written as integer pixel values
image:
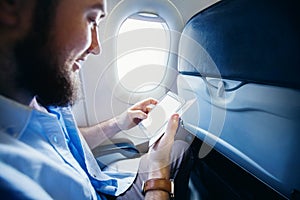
(109, 153)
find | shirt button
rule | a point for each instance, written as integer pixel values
(55, 138)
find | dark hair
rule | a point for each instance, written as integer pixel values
(43, 17)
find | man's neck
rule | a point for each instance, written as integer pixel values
(21, 97)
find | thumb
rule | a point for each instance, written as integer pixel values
(168, 138)
(172, 126)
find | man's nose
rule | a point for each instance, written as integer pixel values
(95, 44)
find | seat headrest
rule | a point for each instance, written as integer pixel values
(247, 40)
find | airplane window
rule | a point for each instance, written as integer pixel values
(143, 49)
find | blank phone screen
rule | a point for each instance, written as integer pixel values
(160, 114)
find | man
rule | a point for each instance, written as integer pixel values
(42, 153)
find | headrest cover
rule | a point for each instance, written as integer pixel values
(247, 40)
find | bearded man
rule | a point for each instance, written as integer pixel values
(43, 155)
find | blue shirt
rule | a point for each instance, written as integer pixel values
(37, 160)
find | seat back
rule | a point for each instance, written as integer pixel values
(240, 58)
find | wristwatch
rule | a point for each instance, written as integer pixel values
(159, 184)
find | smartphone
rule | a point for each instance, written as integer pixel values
(155, 124)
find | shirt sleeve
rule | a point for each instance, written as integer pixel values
(124, 173)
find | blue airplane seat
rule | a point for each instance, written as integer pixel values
(240, 58)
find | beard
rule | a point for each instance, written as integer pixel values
(42, 74)
(41, 69)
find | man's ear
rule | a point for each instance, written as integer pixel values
(9, 12)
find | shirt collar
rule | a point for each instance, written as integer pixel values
(34, 104)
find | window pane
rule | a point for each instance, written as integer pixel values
(143, 50)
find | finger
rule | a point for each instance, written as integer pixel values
(172, 125)
(138, 114)
(168, 138)
(142, 104)
(148, 109)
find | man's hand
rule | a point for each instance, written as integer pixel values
(159, 158)
(159, 152)
(135, 114)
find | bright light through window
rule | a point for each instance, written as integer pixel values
(143, 50)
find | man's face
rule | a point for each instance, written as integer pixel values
(49, 57)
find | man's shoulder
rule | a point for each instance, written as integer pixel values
(15, 185)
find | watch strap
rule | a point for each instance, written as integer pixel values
(159, 184)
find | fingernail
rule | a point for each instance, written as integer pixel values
(175, 117)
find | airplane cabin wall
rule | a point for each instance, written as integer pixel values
(101, 96)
